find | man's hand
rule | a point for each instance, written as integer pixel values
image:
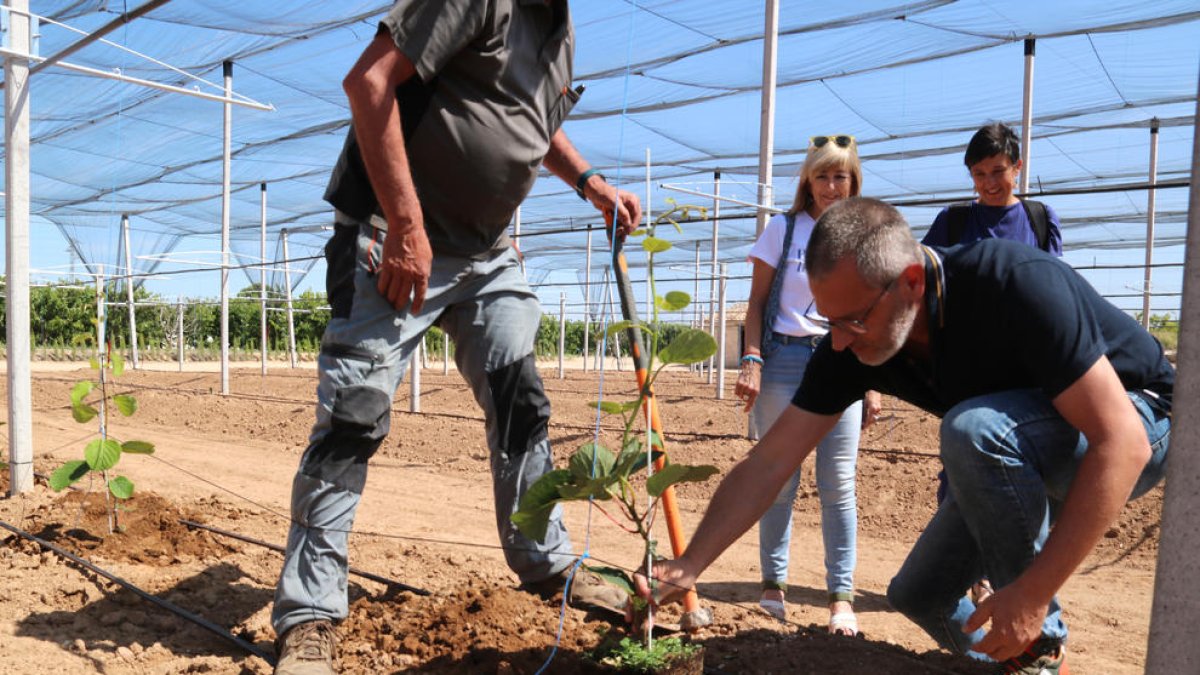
(629, 212)
(405, 267)
(1016, 622)
(748, 383)
(609, 200)
(672, 579)
(872, 406)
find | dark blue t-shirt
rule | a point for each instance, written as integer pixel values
(996, 222)
(1008, 317)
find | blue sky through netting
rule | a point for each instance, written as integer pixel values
(910, 80)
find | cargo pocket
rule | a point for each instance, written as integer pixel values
(340, 252)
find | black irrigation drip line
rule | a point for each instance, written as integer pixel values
(390, 583)
(149, 597)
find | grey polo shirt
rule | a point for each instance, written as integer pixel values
(492, 86)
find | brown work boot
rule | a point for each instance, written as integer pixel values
(306, 649)
(587, 590)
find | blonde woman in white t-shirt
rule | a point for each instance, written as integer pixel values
(779, 340)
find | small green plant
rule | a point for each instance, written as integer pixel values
(102, 454)
(595, 472)
(631, 656)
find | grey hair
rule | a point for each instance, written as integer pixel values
(870, 232)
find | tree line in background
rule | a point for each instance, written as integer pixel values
(62, 318)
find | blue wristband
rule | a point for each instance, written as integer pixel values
(753, 358)
(583, 179)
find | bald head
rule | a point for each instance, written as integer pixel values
(870, 232)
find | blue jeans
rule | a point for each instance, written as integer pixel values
(1009, 457)
(837, 459)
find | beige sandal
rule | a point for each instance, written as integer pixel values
(776, 608)
(843, 623)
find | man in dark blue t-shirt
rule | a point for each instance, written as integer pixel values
(1046, 392)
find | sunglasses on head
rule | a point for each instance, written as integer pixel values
(842, 141)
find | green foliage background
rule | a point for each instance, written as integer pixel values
(62, 319)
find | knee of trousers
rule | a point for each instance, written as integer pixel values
(358, 422)
(522, 410)
(837, 492)
(908, 600)
(969, 433)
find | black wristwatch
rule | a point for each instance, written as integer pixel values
(583, 179)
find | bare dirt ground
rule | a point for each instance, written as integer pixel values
(426, 521)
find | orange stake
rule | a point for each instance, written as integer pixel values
(691, 602)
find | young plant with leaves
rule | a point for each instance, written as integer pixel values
(102, 454)
(597, 473)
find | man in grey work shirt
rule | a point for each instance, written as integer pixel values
(455, 105)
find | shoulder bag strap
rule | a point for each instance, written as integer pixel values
(771, 310)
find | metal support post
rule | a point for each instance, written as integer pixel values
(721, 336)
(646, 208)
(1027, 116)
(414, 381)
(129, 299)
(262, 276)
(226, 155)
(712, 293)
(562, 332)
(587, 300)
(445, 353)
(1147, 289)
(697, 321)
(287, 285)
(179, 337)
(16, 212)
(766, 124)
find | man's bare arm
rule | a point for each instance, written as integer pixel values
(741, 499)
(370, 87)
(564, 161)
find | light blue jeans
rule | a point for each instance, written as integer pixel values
(1008, 457)
(837, 459)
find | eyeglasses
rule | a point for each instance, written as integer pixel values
(842, 141)
(857, 326)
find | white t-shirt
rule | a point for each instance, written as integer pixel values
(794, 296)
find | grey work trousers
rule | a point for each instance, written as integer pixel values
(489, 311)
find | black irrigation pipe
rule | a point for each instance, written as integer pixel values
(390, 583)
(149, 597)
